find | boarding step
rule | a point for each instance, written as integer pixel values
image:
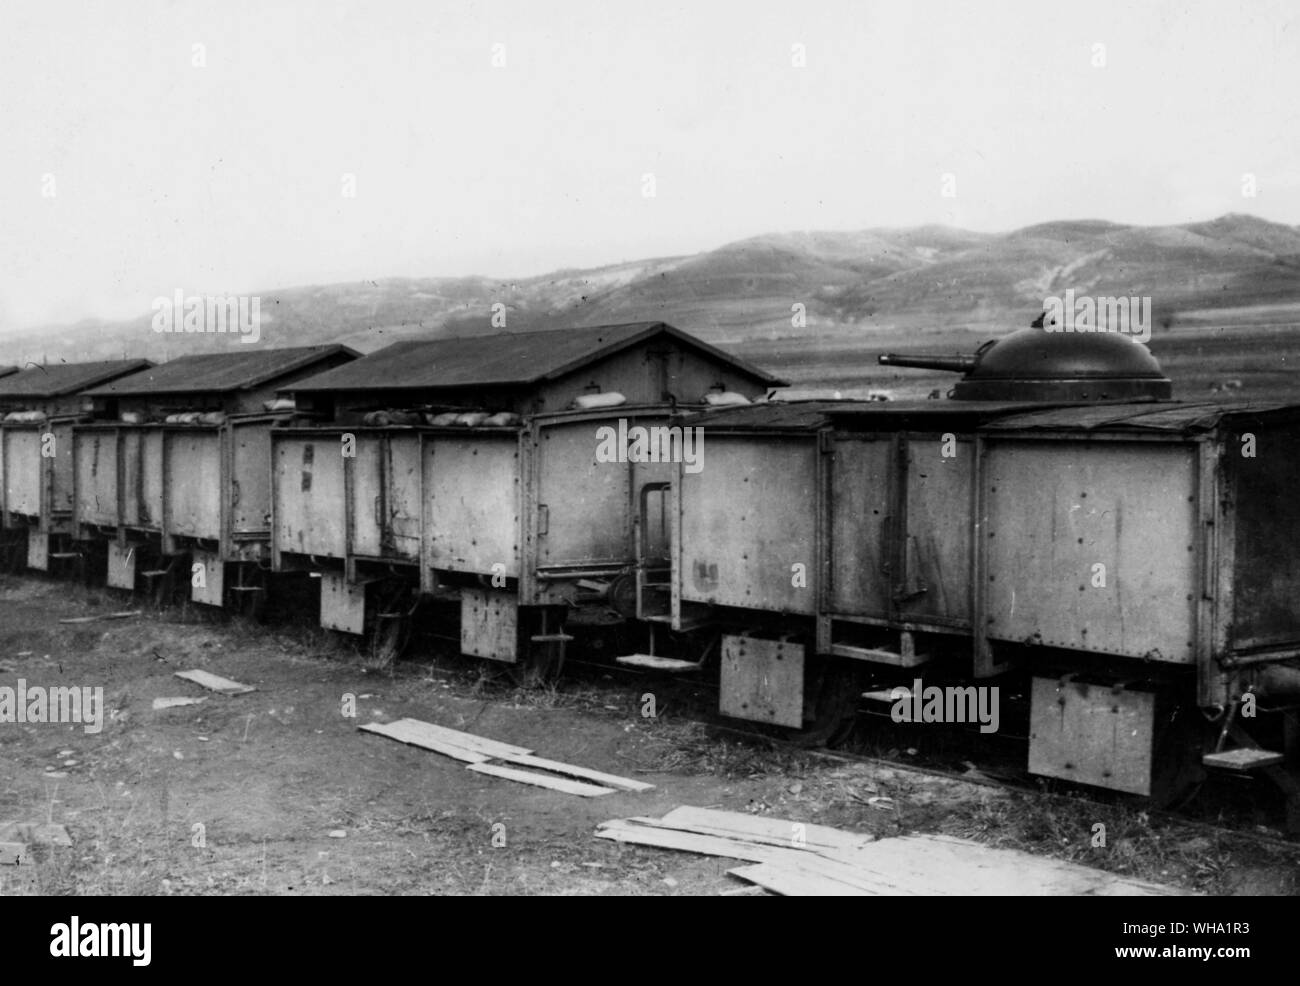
(656, 663)
(250, 588)
(66, 554)
(688, 623)
(880, 656)
(550, 638)
(155, 573)
(888, 696)
(1242, 759)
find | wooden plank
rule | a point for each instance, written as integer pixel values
(490, 748)
(793, 883)
(541, 780)
(408, 731)
(773, 831)
(840, 870)
(102, 616)
(609, 780)
(215, 683)
(1243, 758)
(657, 663)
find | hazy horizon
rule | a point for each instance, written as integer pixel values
(156, 147)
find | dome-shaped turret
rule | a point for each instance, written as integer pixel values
(1039, 365)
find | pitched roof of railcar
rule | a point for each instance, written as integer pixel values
(6, 370)
(244, 369)
(504, 359)
(61, 379)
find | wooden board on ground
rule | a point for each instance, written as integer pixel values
(103, 616)
(35, 833)
(541, 780)
(215, 683)
(772, 831)
(822, 860)
(608, 780)
(413, 731)
(491, 749)
(12, 853)
(794, 883)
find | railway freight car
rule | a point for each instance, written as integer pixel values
(500, 471)
(175, 467)
(38, 408)
(1128, 558)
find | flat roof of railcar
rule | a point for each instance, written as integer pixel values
(209, 373)
(503, 359)
(1164, 416)
(61, 379)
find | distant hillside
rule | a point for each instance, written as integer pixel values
(741, 294)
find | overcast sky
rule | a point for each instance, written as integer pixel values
(211, 146)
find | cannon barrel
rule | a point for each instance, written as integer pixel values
(954, 364)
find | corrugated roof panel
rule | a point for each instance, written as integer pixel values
(220, 372)
(60, 379)
(503, 359)
(6, 370)
(766, 415)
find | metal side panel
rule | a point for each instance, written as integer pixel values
(368, 489)
(193, 489)
(762, 680)
(25, 469)
(587, 502)
(489, 624)
(95, 462)
(342, 603)
(38, 549)
(749, 524)
(121, 565)
(207, 578)
(937, 566)
(1093, 734)
(1091, 546)
(472, 486)
(860, 515)
(251, 463)
(402, 497)
(309, 509)
(58, 440)
(142, 477)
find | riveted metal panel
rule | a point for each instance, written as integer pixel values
(1093, 734)
(193, 490)
(309, 494)
(472, 489)
(1093, 546)
(209, 588)
(60, 467)
(24, 470)
(121, 565)
(747, 518)
(861, 514)
(762, 680)
(342, 603)
(587, 501)
(251, 471)
(38, 549)
(403, 497)
(936, 577)
(489, 624)
(142, 477)
(368, 486)
(95, 457)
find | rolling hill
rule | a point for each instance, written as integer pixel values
(893, 282)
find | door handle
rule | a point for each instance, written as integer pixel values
(543, 518)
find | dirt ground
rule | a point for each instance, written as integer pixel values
(277, 792)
